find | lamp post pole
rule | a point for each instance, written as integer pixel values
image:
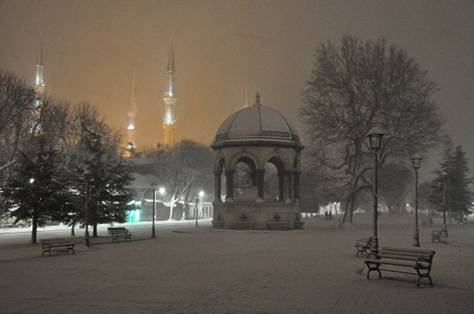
(416, 162)
(375, 142)
(196, 201)
(443, 203)
(153, 232)
(86, 207)
(416, 236)
(375, 242)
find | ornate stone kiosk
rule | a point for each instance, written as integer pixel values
(248, 144)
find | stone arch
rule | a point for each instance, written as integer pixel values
(277, 160)
(251, 166)
(241, 154)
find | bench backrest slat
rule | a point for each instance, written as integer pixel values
(405, 254)
(56, 241)
(408, 251)
(119, 231)
(111, 230)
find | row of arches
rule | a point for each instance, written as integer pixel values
(246, 178)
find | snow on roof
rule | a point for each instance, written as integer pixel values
(256, 122)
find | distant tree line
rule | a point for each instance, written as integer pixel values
(357, 87)
(56, 160)
(449, 191)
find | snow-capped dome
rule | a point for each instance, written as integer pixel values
(256, 123)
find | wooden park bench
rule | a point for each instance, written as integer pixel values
(119, 233)
(437, 233)
(400, 260)
(50, 244)
(363, 246)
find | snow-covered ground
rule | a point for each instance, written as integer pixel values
(188, 270)
(61, 227)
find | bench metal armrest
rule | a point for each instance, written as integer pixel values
(422, 261)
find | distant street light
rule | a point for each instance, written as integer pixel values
(416, 163)
(375, 143)
(31, 180)
(162, 191)
(153, 233)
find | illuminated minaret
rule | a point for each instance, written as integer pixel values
(169, 118)
(39, 84)
(131, 133)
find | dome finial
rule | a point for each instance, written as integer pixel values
(257, 99)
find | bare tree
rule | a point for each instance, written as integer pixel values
(359, 86)
(97, 167)
(181, 169)
(17, 115)
(36, 190)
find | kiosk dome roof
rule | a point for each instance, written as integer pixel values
(256, 123)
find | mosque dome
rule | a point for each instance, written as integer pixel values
(256, 124)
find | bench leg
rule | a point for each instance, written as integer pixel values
(418, 280)
(425, 274)
(372, 268)
(70, 248)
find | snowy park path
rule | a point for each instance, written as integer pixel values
(225, 271)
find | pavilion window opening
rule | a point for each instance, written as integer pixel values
(274, 179)
(245, 178)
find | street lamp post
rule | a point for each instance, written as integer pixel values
(416, 162)
(196, 202)
(375, 143)
(86, 208)
(443, 203)
(153, 233)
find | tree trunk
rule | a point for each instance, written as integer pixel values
(73, 233)
(34, 228)
(347, 218)
(94, 230)
(351, 209)
(186, 203)
(171, 209)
